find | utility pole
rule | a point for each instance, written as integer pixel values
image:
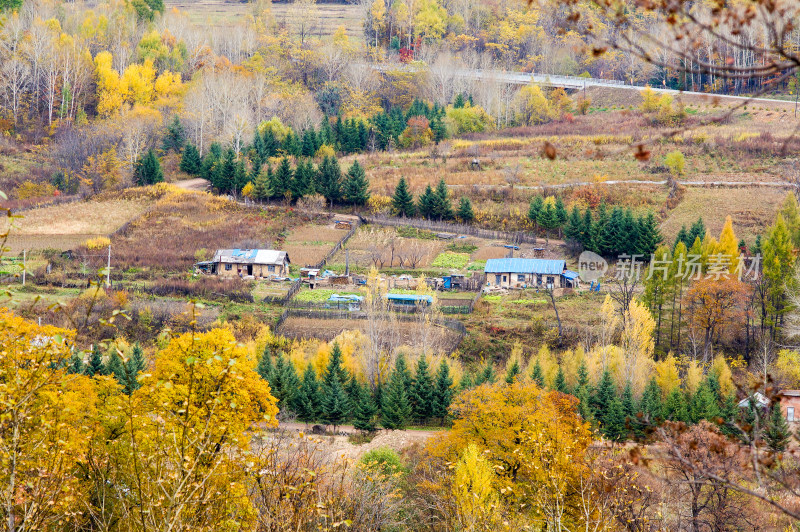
(108, 267)
(24, 265)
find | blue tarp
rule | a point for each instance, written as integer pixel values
(245, 254)
(409, 298)
(345, 298)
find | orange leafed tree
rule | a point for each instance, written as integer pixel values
(714, 306)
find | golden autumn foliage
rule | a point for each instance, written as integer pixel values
(45, 416)
(473, 488)
(534, 440)
(76, 450)
(185, 434)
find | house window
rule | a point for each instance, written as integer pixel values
(521, 277)
(228, 267)
(504, 278)
(271, 268)
(789, 413)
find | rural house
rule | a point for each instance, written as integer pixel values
(789, 401)
(529, 273)
(790, 405)
(256, 263)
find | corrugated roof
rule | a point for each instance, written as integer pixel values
(250, 256)
(569, 274)
(537, 266)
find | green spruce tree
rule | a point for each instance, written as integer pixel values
(396, 408)
(704, 404)
(175, 137)
(135, 364)
(364, 411)
(330, 180)
(355, 189)
(403, 201)
(95, 365)
(536, 206)
(116, 367)
(306, 404)
(284, 384)
(675, 408)
(147, 170)
(601, 400)
(443, 392)
(776, 431)
(583, 392)
(426, 205)
(512, 372)
(191, 163)
(282, 180)
(443, 207)
(422, 391)
(265, 366)
(614, 427)
(262, 189)
(560, 383)
(465, 213)
(651, 406)
(536, 375)
(76, 365)
(335, 404)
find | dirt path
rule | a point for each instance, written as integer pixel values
(339, 445)
(197, 183)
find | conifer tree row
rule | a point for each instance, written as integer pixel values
(606, 233)
(336, 397)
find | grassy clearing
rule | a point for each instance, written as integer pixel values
(751, 208)
(94, 217)
(450, 260)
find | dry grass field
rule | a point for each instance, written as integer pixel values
(308, 244)
(752, 209)
(184, 227)
(68, 225)
(325, 19)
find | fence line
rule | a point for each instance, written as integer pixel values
(448, 227)
(321, 264)
(284, 300)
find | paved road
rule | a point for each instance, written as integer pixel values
(567, 82)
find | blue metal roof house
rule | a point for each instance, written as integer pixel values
(529, 273)
(409, 300)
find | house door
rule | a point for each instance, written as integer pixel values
(497, 280)
(249, 269)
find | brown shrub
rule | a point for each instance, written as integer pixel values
(205, 287)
